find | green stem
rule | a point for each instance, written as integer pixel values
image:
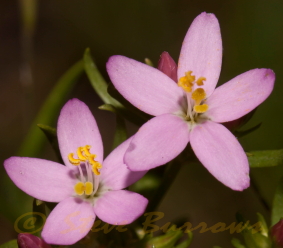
(171, 172)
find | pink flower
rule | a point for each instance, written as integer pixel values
(191, 110)
(86, 187)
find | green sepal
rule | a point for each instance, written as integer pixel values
(38, 208)
(277, 206)
(48, 113)
(51, 134)
(237, 243)
(240, 134)
(253, 234)
(264, 228)
(120, 132)
(10, 244)
(168, 240)
(267, 158)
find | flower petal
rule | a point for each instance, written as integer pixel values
(42, 179)
(157, 142)
(114, 173)
(221, 154)
(120, 207)
(77, 127)
(69, 222)
(144, 86)
(240, 95)
(201, 51)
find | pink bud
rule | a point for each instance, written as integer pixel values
(168, 66)
(26, 240)
(277, 233)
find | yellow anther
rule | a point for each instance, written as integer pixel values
(79, 188)
(73, 160)
(190, 77)
(86, 150)
(186, 82)
(201, 108)
(198, 95)
(88, 188)
(200, 81)
(80, 155)
(95, 168)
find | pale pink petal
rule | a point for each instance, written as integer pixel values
(201, 51)
(114, 173)
(69, 222)
(145, 87)
(77, 127)
(240, 95)
(120, 207)
(157, 142)
(42, 179)
(221, 153)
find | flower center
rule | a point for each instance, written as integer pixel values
(195, 97)
(89, 180)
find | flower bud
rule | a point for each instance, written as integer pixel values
(26, 240)
(276, 233)
(168, 66)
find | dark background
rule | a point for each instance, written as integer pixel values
(252, 33)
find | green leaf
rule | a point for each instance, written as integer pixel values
(10, 244)
(128, 111)
(97, 81)
(265, 158)
(34, 140)
(188, 241)
(240, 134)
(277, 208)
(121, 131)
(108, 107)
(102, 89)
(38, 216)
(51, 134)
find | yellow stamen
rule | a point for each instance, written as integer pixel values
(73, 160)
(200, 81)
(201, 108)
(88, 188)
(86, 150)
(80, 155)
(95, 165)
(198, 95)
(186, 82)
(79, 188)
